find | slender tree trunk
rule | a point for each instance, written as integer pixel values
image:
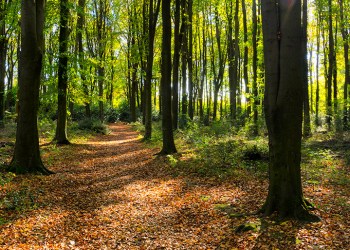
(184, 51)
(245, 58)
(190, 60)
(306, 105)
(168, 138)
(317, 104)
(345, 36)
(80, 28)
(255, 98)
(176, 62)
(26, 157)
(153, 16)
(330, 65)
(3, 45)
(283, 107)
(61, 128)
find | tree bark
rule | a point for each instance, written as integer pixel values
(345, 36)
(176, 63)
(26, 158)
(61, 129)
(306, 105)
(190, 60)
(168, 138)
(152, 23)
(80, 28)
(330, 65)
(255, 98)
(283, 107)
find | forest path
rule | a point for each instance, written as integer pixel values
(111, 192)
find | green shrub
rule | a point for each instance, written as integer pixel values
(93, 125)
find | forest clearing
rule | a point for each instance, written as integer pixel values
(112, 192)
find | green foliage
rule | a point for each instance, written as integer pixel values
(111, 115)
(93, 125)
(20, 200)
(6, 178)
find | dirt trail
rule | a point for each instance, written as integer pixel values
(111, 193)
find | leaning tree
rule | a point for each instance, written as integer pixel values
(282, 32)
(26, 158)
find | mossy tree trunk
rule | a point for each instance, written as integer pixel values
(283, 107)
(26, 158)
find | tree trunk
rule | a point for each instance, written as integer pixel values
(305, 72)
(153, 16)
(283, 107)
(3, 46)
(330, 65)
(190, 60)
(184, 51)
(61, 129)
(345, 36)
(80, 28)
(245, 59)
(168, 138)
(26, 158)
(176, 62)
(255, 99)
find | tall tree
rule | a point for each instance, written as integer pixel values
(283, 107)
(26, 158)
(306, 105)
(190, 60)
(61, 129)
(81, 57)
(176, 63)
(3, 48)
(345, 29)
(168, 138)
(255, 100)
(330, 70)
(152, 24)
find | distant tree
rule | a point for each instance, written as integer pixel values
(3, 49)
(61, 129)
(168, 138)
(283, 107)
(305, 73)
(26, 158)
(152, 24)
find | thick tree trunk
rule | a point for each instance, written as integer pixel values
(61, 129)
(168, 138)
(283, 107)
(26, 158)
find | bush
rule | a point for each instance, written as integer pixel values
(93, 125)
(111, 115)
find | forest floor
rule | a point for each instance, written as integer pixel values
(112, 192)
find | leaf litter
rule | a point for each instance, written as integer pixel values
(111, 192)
